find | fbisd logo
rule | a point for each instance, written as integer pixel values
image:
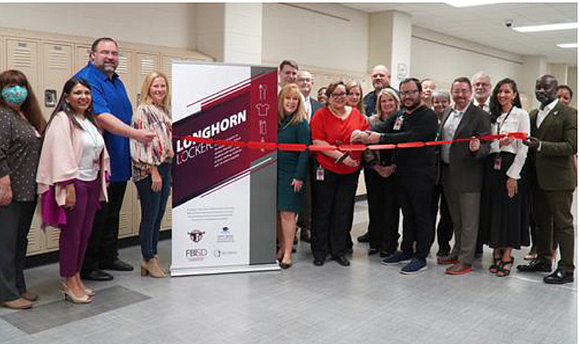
(196, 235)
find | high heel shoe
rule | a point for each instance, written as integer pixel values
(505, 268)
(285, 265)
(90, 292)
(70, 296)
(152, 268)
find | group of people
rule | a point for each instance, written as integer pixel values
(499, 191)
(76, 166)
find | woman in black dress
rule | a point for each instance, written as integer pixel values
(504, 219)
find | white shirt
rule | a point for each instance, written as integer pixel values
(517, 121)
(92, 144)
(448, 132)
(307, 107)
(485, 105)
(543, 113)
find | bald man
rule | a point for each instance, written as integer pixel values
(381, 79)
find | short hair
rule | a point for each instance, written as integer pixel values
(102, 39)
(387, 92)
(147, 82)
(300, 114)
(567, 88)
(481, 74)
(353, 84)
(440, 94)
(331, 87)
(413, 80)
(462, 79)
(426, 79)
(290, 63)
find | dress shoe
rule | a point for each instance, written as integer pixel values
(116, 265)
(363, 238)
(539, 264)
(318, 262)
(559, 277)
(458, 269)
(447, 260)
(96, 275)
(18, 304)
(341, 260)
(30, 296)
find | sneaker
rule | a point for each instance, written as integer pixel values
(414, 267)
(396, 258)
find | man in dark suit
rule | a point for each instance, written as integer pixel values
(462, 172)
(304, 81)
(553, 143)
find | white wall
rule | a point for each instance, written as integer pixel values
(444, 58)
(162, 24)
(315, 39)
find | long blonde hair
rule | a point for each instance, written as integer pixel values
(387, 92)
(146, 98)
(300, 114)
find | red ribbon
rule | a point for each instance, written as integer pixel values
(297, 147)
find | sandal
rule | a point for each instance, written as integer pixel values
(502, 271)
(495, 266)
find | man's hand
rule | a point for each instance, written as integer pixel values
(531, 142)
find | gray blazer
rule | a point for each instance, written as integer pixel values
(466, 168)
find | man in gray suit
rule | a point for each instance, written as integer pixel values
(553, 143)
(462, 172)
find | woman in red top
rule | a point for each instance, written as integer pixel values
(336, 177)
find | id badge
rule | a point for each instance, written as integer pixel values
(320, 173)
(398, 123)
(497, 163)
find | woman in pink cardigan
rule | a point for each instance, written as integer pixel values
(71, 180)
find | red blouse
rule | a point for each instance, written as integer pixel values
(327, 127)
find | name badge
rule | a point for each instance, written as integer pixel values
(320, 174)
(398, 123)
(497, 163)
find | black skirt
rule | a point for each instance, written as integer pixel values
(504, 221)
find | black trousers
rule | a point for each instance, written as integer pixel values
(15, 220)
(445, 226)
(305, 216)
(332, 213)
(102, 246)
(415, 194)
(383, 211)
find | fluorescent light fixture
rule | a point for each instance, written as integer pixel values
(547, 27)
(471, 3)
(568, 45)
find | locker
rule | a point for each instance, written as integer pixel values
(146, 63)
(58, 64)
(35, 237)
(51, 237)
(22, 54)
(81, 56)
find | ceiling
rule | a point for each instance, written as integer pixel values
(486, 25)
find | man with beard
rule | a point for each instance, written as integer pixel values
(415, 173)
(462, 167)
(113, 111)
(481, 90)
(553, 143)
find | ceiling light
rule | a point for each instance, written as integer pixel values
(568, 45)
(547, 27)
(471, 3)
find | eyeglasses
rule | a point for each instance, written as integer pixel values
(466, 91)
(408, 93)
(338, 95)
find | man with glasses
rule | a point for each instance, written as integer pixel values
(415, 173)
(482, 90)
(462, 173)
(113, 111)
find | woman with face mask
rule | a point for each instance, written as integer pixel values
(71, 181)
(21, 125)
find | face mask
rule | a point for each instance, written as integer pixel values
(14, 94)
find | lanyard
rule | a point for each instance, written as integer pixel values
(499, 126)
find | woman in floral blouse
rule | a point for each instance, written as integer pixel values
(152, 166)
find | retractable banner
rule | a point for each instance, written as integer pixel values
(224, 196)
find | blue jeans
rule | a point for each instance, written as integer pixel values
(152, 210)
